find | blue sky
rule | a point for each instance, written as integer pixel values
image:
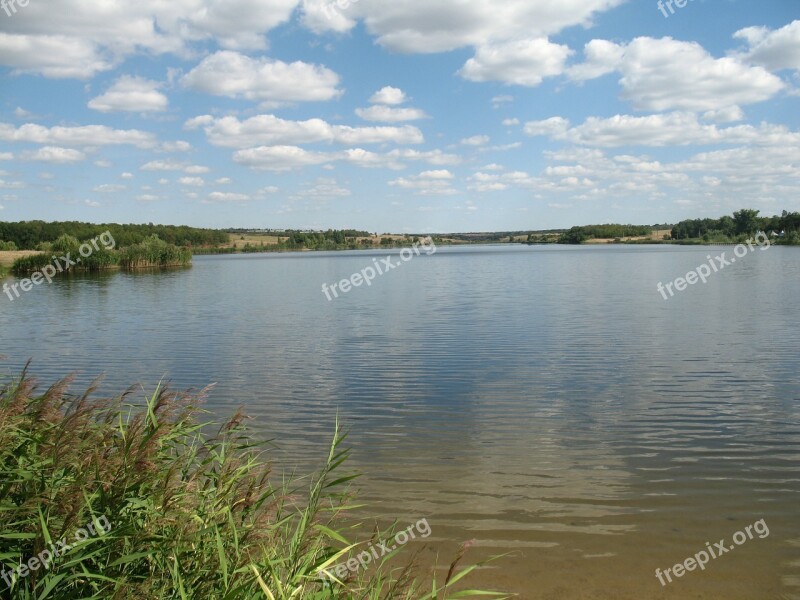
(403, 116)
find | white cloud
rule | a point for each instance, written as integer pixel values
(327, 15)
(235, 75)
(230, 132)
(776, 50)
(88, 135)
(387, 114)
(500, 101)
(554, 126)
(324, 189)
(666, 74)
(423, 26)
(280, 158)
(427, 183)
(388, 95)
(670, 129)
(87, 39)
(227, 197)
(602, 57)
(525, 62)
(196, 170)
(126, 175)
(510, 122)
(476, 140)
(724, 115)
(55, 154)
(52, 55)
(192, 181)
(131, 94)
(163, 165)
(109, 188)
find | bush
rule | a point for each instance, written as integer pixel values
(188, 516)
(7, 246)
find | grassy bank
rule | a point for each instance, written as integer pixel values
(174, 512)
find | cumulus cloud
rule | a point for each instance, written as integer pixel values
(55, 154)
(327, 15)
(88, 135)
(280, 158)
(227, 197)
(86, 40)
(324, 188)
(774, 49)
(270, 130)
(266, 80)
(388, 114)
(667, 74)
(131, 94)
(476, 140)
(671, 129)
(553, 127)
(422, 26)
(388, 95)
(427, 183)
(192, 181)
(657, 130)
(525, 62)
(163, 165)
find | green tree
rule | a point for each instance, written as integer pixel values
(746, 221)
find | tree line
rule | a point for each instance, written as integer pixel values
(743, 223)
(578, 235)
(30, 235)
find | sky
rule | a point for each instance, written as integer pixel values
(398, 116)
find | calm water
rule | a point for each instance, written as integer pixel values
(544, 401)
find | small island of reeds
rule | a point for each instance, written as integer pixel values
(101, 253)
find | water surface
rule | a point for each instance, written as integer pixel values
(544, 401)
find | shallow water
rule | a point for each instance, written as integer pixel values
(544, 401)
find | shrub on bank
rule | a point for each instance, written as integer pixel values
(189, 515)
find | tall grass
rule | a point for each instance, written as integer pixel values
(29, 264)
(193, 515)
(154, 252)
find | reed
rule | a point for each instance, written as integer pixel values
(154, 252)
(192, 515)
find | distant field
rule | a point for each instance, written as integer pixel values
(655, 235)
(238, 240)
(7, 258)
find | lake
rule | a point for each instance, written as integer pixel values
(544, 401)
